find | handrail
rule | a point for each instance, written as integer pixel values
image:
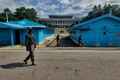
(51, 42)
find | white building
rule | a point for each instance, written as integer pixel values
(60, 22)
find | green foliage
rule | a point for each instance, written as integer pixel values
(8, 12)
(29, 13)
(20, 13)
(99, 10)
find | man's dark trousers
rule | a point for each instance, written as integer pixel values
(30, 56)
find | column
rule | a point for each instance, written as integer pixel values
(12, 37)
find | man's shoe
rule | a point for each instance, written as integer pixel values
(25, 61)
(33, 64)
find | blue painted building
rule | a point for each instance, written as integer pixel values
(7, 33)
(14, 32)
(102, 31)
(40, 31)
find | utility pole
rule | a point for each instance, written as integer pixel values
(7, 16)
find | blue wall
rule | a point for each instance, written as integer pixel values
(5, 37)
(102, 32)
(22, 36)
(39, 35)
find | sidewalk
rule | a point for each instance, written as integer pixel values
(62, 48)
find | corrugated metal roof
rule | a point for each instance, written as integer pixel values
(22, 24)
(25, 23)
(4, 25)
(95, 19)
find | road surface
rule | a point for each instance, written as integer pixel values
(61, 64)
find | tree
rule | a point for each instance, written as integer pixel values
(20, 12)
(7, 15)
(98, 11)
(29, 13)
(106, 8)
(116, 10)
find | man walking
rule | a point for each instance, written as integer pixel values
(58, 40)
(80, 41)
(30, 46)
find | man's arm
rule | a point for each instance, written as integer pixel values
(26, 40)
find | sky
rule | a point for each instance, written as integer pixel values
(48, 7)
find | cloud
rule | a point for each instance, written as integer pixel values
(12, 4)
(65, 1)
(46, 7)
(7, 3)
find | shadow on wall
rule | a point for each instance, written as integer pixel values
(13, 65)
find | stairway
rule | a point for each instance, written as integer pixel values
(67, 42)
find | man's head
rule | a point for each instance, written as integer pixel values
(29, 31)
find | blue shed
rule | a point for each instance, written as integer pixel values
(14, 32)
(40, 31)
(102, 31)
(7, 33)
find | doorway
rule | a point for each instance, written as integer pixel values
(17, 37)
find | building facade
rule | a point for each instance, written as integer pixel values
(60, 22)
(102, 31)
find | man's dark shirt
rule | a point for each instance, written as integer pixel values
(29, 41)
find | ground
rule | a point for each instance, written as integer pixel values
(61, 64)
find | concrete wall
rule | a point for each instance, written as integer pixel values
(43, 33)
